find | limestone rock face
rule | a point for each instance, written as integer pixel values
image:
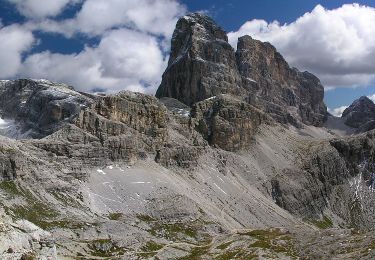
(202, 65)
(360, 114)
(144, 114)
(227, 122)
(202, 62)
(276, 87)
(39, 107)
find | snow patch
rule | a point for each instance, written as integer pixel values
(101, 171)
(211, 98)
(251, 80)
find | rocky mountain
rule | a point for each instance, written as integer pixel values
(360, 114)
(235, 159)
(203, 65)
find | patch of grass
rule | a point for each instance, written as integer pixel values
(7, 150)
(145, 218)
(236, 254)
(28, 256)
(197, 253)
(64, 224)
(171, 231)
(324, 223)
(265, 233)
(262, 244)
(372, 245)
(65, 199)
(105, 248)
(152, 246)
(274, 240)
(10, 188)
(115, 216)
(34, 210)
(224, 245)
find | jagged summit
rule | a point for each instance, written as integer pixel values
(203, 64)
(197, 26)
(360, 114)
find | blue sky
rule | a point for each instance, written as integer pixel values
(121, 44)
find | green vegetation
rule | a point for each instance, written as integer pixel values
(265, 234)
(105, 248)
(7, 150)
(236, 254)
(10, 188)
(324, 223)
(224, 245)
(197, 253)
(145, 218)
(152, 246)
(65, 199)
(115, 216)
(28, 256)
(34, 210)
(274, 240)
(150, 249)
(171, 231)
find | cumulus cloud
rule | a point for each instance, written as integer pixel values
(338, 45)
(97, 16)
(38, 9)
(15, 40)
(337, 111)
(372, 97)
(133, 39)
(124, 59)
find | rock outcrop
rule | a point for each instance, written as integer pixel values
(227, 122)
(203, 65)
(38, 108)
(277, 88)
(360, 114)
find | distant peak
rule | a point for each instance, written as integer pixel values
(365, 99)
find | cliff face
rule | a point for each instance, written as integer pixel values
(202, 65)
(202, 62)
(39, 107)
(277, 88)
(227, 122)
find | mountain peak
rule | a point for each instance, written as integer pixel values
(360, 113)
(202, 63)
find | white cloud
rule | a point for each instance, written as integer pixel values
(37, 9)
(337, 111)
(124, 59)
(372, 97)
(97, 16)
(15, 40)
(134, 36)
(338, 45)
